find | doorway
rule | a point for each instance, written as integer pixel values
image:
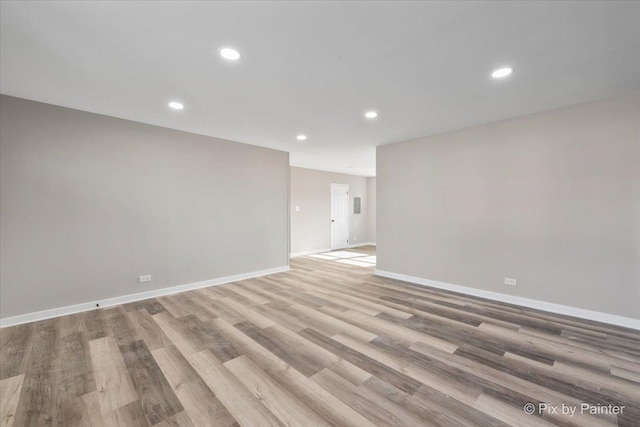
(339, 216)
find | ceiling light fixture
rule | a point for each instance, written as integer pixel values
(301, 137)
(230, 54)
(176, 105)
(502, 72)
(371, 114)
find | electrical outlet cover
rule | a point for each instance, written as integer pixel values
(510, 282)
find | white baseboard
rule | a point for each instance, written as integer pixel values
(311, 252)
(77, 308)
(319, 251)
(612, 319)
(357, 245)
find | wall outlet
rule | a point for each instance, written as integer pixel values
(355, 238)
(297, 208)
(143, 279)
(510, 282)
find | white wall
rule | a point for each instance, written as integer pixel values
(371, 192)
(551, 199)
(311, 226)
(89, 203)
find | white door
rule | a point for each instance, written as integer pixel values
(339, 216)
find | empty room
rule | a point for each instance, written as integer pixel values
(319, 213)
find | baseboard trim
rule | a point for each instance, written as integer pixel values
(581, 313)
(319, 251)
(78, 308)
(311, 252)
(357, 245)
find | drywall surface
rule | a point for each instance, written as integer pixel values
(551, 200)
(311, 225)
(371, 192)
(90, 202)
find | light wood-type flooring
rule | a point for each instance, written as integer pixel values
(324, 344)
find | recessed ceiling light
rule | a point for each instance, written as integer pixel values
(371, 114)
(230, 54)
(176, 105)
(502, 72)
(301, 137)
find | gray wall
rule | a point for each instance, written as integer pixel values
(551, 199)
(89, 203)
(371, 192)
(311, 226)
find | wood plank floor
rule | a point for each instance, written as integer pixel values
(324, 344)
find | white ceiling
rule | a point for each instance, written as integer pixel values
(316, 67)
